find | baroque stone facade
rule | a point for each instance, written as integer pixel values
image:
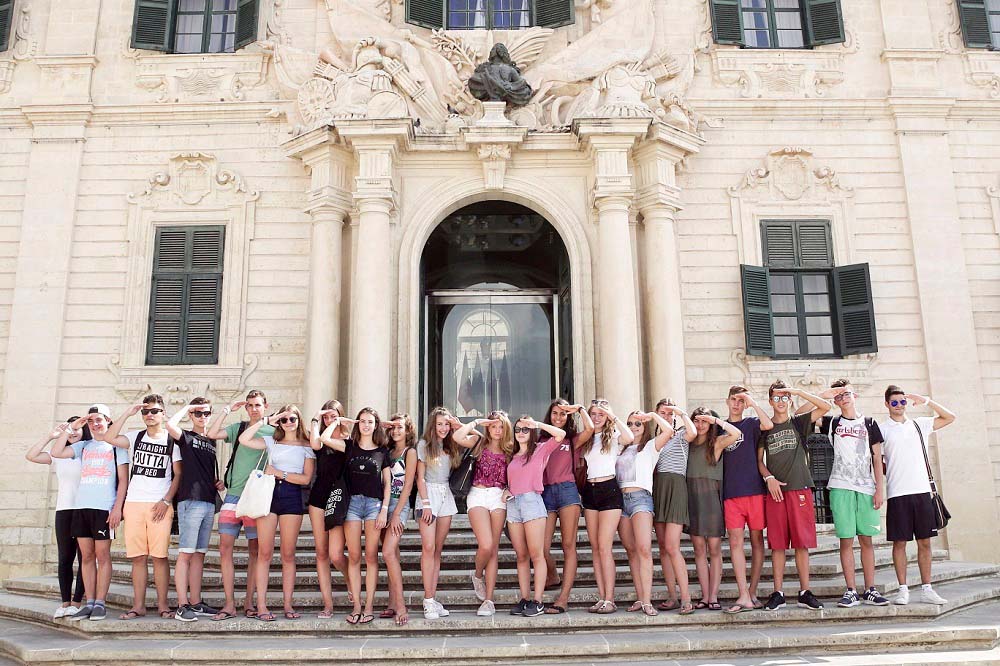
(344, 133)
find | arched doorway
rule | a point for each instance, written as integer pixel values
(496, 317)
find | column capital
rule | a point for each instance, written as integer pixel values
(613, 202)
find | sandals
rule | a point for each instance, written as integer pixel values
(607, 607)
(250, 612)
(701, 605)
(649, 611)
(324, 614)
(669, 605)
(757, 604)
(366, 618)
(636, 606)
(353, 618)
(596, 607)
(265, 617)
(165, 614)
(554, 609)
(388, 613)
(737, 608)
(223, 615)
(714, 606)
(687, 608)
(292, 615)
(131, 615)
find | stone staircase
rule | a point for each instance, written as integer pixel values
(968, 625)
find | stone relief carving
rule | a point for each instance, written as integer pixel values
(789, 173)
(813, 375)
(191, 177)
(199, 77)
(178, 388)
(612, 69)
(23, 46)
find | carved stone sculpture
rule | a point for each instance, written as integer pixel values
(499, 80)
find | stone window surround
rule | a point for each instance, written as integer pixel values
(193, 191)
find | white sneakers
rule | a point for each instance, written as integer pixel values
(927, 596)
(488, 609)
(479, 585)
(65, 611)
(434, 610)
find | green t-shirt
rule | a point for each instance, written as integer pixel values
(785, 452)
(245, 458)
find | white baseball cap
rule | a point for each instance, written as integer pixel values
(100, 408)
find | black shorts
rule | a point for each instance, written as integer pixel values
(288, 499)
(91, 524)
(910, 517)
(602, 496)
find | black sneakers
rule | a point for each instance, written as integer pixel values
(807, 600)
(519, 608)
(775, 601)
(532, 608)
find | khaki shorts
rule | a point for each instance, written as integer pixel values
(142, 535)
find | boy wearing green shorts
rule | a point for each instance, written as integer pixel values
(855, 491)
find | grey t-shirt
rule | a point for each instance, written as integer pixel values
(436, 470)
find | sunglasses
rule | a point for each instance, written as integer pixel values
(898, 403)
(781, 398)
(202, 414)
(634, 424)
(600, 403)
(394, 428)
(151, 410)
(842, 396)
(288, 419)
(496, 415)
(519, 429)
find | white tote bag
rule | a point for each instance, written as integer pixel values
(255, 502)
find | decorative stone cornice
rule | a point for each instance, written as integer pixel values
(813, 375)
(794, 73)
(197, 77)
(377, 143)
(789, 173)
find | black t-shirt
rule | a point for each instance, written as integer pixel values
(364, 470)
(329, 467)
(200, 469)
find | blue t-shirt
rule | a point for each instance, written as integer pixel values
(740, 475)
(98, 474)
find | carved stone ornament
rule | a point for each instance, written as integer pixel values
(191, 177)
(178, 388)
(197, 77)
(494, 157)
(812, 375)
(22, 45)
(789, 173)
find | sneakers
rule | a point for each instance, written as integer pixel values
(808, 600)
(775, 601)
(201, 608)
(83, 613)
(430, 610)
(442, 611)
(519, 608)
(488, 609)
(873, 598)
(929, 596)
(98, 613)
(902, 597)
(533, 609)
(479, 585)
(70, 611)
(850, 599)
(186, 613)
(63, 611)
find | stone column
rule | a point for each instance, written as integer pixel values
(328, 202)
(658, 199)
(610, 141)
(376, 143)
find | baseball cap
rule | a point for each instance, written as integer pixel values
(100, 408)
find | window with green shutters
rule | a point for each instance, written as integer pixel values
(6, 21)
(185, 304)
(777, 24)
(194, 26)
(490, 14)
(980, 23)
(799, 304)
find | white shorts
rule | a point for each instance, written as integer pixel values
(490, 499)
(440, 501)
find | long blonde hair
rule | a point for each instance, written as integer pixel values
(639, 440)
(507, 444)
(437, 446)
(607, 434)
(300, 427)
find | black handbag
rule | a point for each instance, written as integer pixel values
(461, 477)
(941, 513)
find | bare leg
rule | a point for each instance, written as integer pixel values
(628, 542)
(102, 550)
(715, 567)
(428, 534)
(701, 566)
(88, 566)
(518, 540)
(266, 529)
(569, 525)
(482, 527)
(608, 525)
(778, 564)
(666, 565)
(550, 562)
(248, 601)
(757, 560)
(592, 520)
(739, 561)
(642, 532)
(371, 565)
(161, 579)
(195, 575)
(290, 525)
(441, 528)
(899, 561)
(390, 553)
(802, 567)
(497, 520)
(352, 533)
(140, 577)
(672, 535)
(181, 577)
(318, 521)
(924, 554)
(847, 561)
(534, 534)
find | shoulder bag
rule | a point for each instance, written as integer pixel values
(460, 479)
(255, 502)
(941, 514)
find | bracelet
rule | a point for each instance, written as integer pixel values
(384, 508)
(768, 478)
(226, 410)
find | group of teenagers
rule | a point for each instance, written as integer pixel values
(660, 473)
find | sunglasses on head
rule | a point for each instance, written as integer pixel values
(519, 429)
(600, 403)
(781, 398)
(898, 403)
(202, 413)
(288, 419)
(151, 410)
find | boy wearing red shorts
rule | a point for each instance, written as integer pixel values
(788, 506)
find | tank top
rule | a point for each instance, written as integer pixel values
(68, 476)
(674, 455)
(491, 470)
(602, 464)
(698, 467)
(397, 467)
(329, 469)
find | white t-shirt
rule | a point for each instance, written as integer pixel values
(68, 476)
(150, 473)
(852, 455)
(602, 464)
(906, 472)
(634, 468)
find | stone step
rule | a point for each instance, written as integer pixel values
(755, 638)
(830, 588)
(306, 578)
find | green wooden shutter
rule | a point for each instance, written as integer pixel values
(186, 300)
(824, 22)
(6, 19)
(815, 245)
(554, 13)
(757, 310)
(852, 289)
(975, 23)
(428, 13)
(779, 243)
(727, 22)
(246, 22)
(152, 24)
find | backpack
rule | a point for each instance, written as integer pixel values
(232, 456)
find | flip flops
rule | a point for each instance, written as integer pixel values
(714, 606)
(666, 605)
(223, 615)
(131, 615)
(292, 615)
(735, 609)
(388, 613)
(265, 617)
(687, 609)
(250, 612)
(553, 609)
(366, 618)
(353, 618)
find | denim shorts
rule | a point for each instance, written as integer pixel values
(404, 514)
(558, 495)
(194, 520)
(363, 508)
(522, 508)
(230, 525)
(289, 499)
(637, 501)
